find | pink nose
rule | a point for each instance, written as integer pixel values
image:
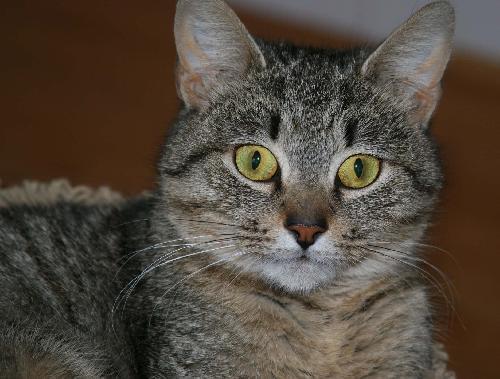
(305, 234)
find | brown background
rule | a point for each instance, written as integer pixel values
(87, 94)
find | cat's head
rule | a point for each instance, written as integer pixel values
(300, 165)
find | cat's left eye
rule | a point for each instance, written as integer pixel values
(256, 162)
(359, 171)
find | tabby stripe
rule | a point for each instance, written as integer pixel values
(191, 159)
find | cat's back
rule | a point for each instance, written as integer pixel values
(57, 273)
(54, 253)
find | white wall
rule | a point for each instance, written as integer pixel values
(478, 21)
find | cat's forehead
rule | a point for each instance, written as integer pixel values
(314, 89)
(312, 81)
(315, 106)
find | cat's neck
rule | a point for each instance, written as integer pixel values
(315, 332)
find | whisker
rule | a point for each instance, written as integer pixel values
(206, 222)
(133, 284)
(385, 276)
(451, 287)
(193, 254)
(413, 266)
(157, 246)
(163, 243)
(190, 276)
(235, 277)
(422, 273)
(448, 253)
(130, 284)
(159, 260)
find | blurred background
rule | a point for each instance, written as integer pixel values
(88, 93)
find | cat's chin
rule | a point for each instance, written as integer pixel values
(297, 276)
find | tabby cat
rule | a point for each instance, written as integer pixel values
(282, 239)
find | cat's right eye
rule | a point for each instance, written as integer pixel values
(256, 162)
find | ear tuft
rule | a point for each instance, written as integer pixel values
(214, 50)
(413, 58)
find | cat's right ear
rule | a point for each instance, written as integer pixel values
(214, 50)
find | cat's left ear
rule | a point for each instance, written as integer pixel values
(214, 50)
(412, 60)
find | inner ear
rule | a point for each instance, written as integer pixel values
(214, 50)
(412, 60)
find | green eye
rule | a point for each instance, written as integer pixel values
(358, 171)
(256, 162)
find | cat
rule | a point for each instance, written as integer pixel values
(282, 238)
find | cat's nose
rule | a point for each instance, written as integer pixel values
(306, 234)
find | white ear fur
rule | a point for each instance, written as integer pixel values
(413, 58)
(214, 50)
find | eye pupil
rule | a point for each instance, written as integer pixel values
(255, 160)
(358, 167)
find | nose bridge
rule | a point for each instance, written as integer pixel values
(306, 210)
(306, 204)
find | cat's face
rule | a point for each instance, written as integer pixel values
(260, 161)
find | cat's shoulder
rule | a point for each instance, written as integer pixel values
(36, 222)
(67, 227)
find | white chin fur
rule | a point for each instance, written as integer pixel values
(297, 276)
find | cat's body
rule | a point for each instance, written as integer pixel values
(210, 326)
(224, 273)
